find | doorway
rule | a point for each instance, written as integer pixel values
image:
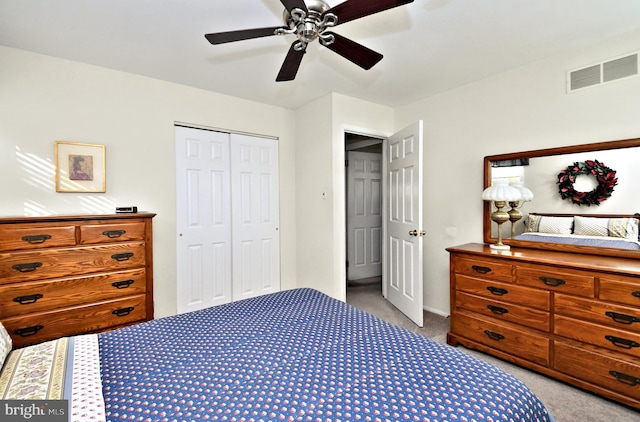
(400, 203)
(364, 210)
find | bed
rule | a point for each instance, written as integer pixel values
(598, 230)
(297, 355)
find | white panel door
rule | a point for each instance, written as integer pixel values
(403, 238)
(255, 228)
(364, 215)
(203, 219)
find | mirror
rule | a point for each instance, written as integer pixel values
(539, 170)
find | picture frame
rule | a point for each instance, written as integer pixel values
(80, 167)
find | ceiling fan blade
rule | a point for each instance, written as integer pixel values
(292, 4)
(355, 9)
(243, 34)
(291, 64)
(354, 52)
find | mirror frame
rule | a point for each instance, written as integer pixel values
(591, 250)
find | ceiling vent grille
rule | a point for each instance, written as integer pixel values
(612, 70)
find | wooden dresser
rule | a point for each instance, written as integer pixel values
(66, 275)
(570, 316)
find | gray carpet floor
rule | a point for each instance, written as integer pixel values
(566, 403)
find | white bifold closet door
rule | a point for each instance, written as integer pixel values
(228, 242)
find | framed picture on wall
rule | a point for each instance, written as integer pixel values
(80, 167)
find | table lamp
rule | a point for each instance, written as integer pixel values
(500, 193)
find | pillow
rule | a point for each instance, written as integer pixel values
(546, 224)
(36, 372)
(626, 228)
(5, 344)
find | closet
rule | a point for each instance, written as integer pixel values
(227, 218)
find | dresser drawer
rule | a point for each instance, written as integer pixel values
(618, 375)
(504, 292)
(577, 283)
(42, 326)
(36, 296)
(26, 236)
(487, 269)
(45, 264)
(620, 289)
(109, 233)
(518, 342)
(504, 311)
(617, 316)
(599, 335)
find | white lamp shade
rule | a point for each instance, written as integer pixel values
(525, 193)
(501, 191)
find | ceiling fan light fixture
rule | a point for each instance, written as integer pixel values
(308, 20)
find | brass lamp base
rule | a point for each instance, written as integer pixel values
(514, 216)
(499, 247)
(499, 216)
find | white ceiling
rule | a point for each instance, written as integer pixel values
(429, 46)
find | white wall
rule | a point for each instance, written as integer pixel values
(523, 109)
(43, 99)
(321, 224)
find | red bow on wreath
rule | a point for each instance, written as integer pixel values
(605, 177)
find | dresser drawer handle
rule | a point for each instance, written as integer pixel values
(28, 331)
(622, 318)
(550, 281)
(481, 270)
(625, 379)
(636, 294)
(497, 291)
(622, 342)
(122, 256)
(123, 311)
(112, 234)
(122, 284)
(497, 310)
(28, 267)
(494, 336)
(36, 239)
(27, 300)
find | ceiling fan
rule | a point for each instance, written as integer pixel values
(310, 20)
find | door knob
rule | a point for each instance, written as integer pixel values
(413, 233)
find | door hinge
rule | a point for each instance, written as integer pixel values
(346, 163)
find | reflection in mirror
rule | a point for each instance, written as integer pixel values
(538, 170)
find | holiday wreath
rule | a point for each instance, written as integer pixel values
(605, 177)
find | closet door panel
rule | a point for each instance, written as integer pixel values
(255, 227)
(203, 219)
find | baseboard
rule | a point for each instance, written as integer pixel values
(436, 311)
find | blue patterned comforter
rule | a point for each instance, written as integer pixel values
(299, 355)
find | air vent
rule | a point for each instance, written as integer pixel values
(600, 73)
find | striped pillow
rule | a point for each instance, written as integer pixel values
(546, 224)
(626, 228)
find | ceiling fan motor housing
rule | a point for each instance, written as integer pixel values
(309, 26)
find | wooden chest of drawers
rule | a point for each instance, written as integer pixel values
(67, 275)
(569, 316)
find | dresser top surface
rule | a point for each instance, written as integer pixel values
(564, 259)
(79, 217)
